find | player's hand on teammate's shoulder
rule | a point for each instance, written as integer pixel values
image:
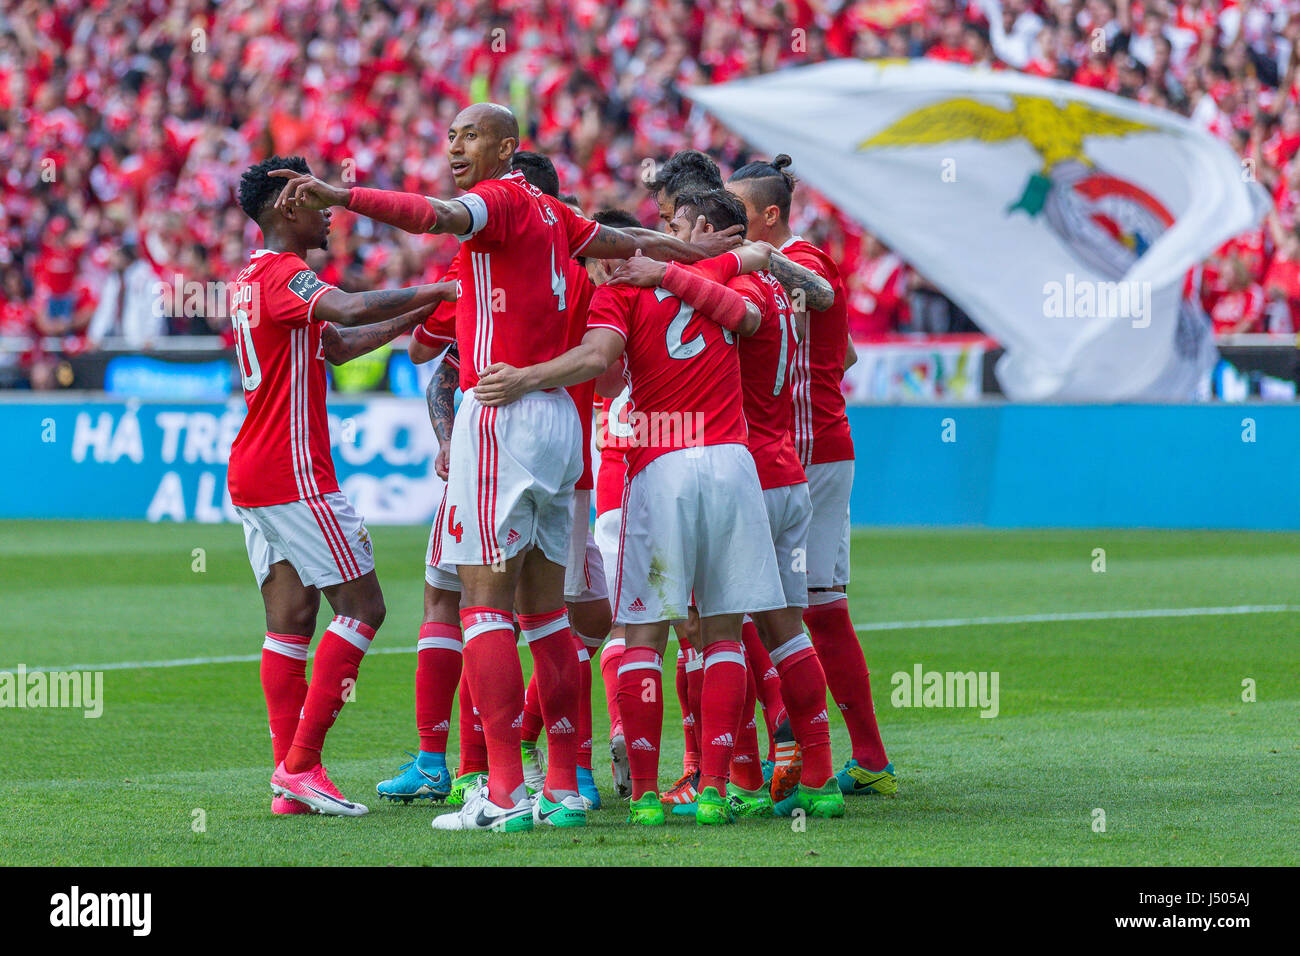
(639, 271)
(501, 384)
(305, 191)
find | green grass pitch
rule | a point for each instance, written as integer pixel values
(1141, 718)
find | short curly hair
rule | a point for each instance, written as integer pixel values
(256, 188)
(687, 169)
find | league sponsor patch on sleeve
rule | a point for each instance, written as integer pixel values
(305, 284)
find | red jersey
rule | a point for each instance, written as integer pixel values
(612, 437)
(514, 300)
(282, 451)
(821, 427)
(440, 327)
(1233, 308)
(581, 289)
(684, 369)
(765, 375)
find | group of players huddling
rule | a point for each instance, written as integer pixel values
(716, 348)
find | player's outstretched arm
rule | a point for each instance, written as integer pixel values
(407, 211)
(362, 308)
(611, 243)
(713, 300)
(340, 345)
(502, 384)
(807, 290)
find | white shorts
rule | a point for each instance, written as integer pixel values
(695, 518)
(829, 486)
(789, 512)
(511, 484)
(584, 575)
(607, 529)
(322, 537)
(439, 574)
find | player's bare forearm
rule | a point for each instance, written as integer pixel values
(363, 308)
(611, 243)
(341, 345)
(502, 384)
(850, 354)
(807, 290)
(441, 397)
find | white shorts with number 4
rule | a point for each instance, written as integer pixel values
(510, 488)
(322, 537)
(695, 519)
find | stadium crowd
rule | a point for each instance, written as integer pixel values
(124, 125)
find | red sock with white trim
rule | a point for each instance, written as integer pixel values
(769, 683)
(284, 685)
(497, 683)
(437, 672)
(722, 697)
(641, 704)
(803, 688)
(530, 721)
(746, 766)
(611, 655)
(846, 672)
(473, 746)
(333, 676)
(584, 701)
(555, 665)
(691, 754)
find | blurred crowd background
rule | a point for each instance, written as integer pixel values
(125, 124)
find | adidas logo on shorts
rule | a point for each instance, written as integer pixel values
(642, 744)
(724, 740)
(512, 537)
(561, 726)
(637, 605)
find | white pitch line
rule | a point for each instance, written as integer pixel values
(1081, 616)
(874, 626)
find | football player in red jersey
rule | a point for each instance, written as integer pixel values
(693, 523)
(512, 470)
(765, 359)
(825, 447)
(303, 536)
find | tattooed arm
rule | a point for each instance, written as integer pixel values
(340, 345)
(440, 394)
(362, 308)
(612, 243)
(804, 286)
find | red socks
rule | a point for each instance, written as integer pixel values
(584, 701)
(555, 665)
(284, 684)
(473, 747)
(611, 655)
(846, 675)
(497, 683)
(530, 721)
(641, 705)
(722, 698)
(333, 676)
(437, 672)
(746, 766)
(769, 683)
(803, 688)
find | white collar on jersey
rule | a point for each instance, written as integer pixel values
(788, 241)
(258, 253)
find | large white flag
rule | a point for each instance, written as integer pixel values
(1063, 220)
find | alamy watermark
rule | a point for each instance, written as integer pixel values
(922, 688)
(74, 690)
(1089, 299)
